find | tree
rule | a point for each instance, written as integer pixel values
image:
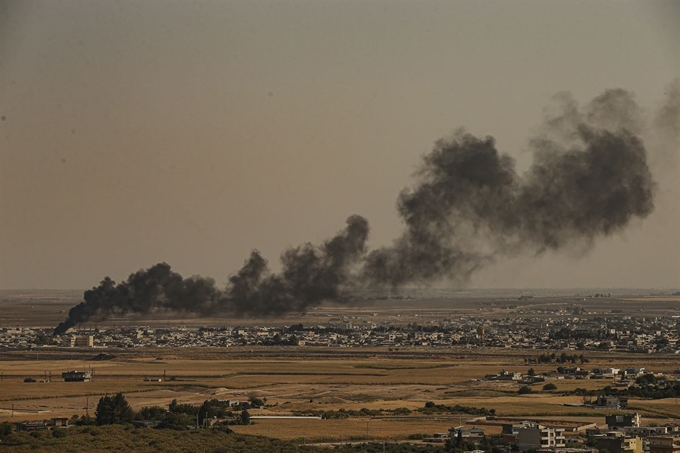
(176, 420)
(151, 413)
(59, 433)
(531, 372)
(6, 429)
(104, 412)
(524, 390)
(113, 410)
(205, 412)
(550, 387)
(85, 420)
(245, 417)
(122, 412)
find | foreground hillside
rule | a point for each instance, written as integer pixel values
(91, 439)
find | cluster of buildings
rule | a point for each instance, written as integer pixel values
(624, 434)
(621, 434)
(18, 337)
(559, 332)
(620, 377)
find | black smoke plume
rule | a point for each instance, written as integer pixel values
(469, 207)
(310, 275)
(589, 178)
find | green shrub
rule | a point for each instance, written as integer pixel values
(6, 429)
(59, 433)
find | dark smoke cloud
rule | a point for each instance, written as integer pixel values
(589, 178)
(155, 288)
(469, 207)
(310, 275)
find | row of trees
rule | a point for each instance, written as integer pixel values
(647, 390)
(562, 358)
(431, 407)
(115, 409)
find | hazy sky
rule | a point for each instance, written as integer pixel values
(191, 132)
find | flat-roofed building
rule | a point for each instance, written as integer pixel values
(664, 444)
(85, 341)
(82, 341)
(615, 421)
(533, 436)
(618, 443)
(76, 376)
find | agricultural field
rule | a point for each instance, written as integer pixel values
(296, 385)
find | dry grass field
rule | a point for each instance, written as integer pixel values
(292, 385)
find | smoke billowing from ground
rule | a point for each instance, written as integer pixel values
(310, 275)
(468, 208)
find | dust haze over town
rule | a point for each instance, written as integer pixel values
(194, 133)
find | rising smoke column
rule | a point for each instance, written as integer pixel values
(589, 179)
(310, 274)
(155, 288)
(468, 208)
